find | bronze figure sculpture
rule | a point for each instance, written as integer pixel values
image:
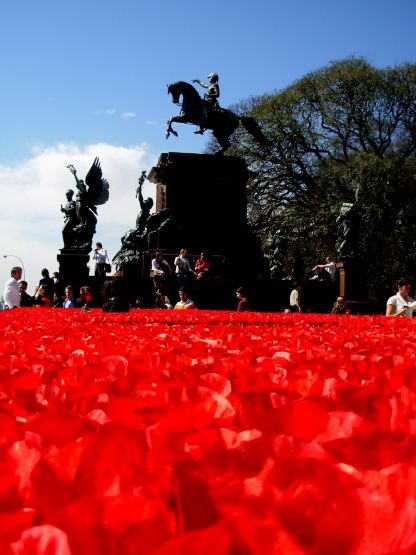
(145, 206)
(210, 98)
(70, 218)
(208, 115)
(81, 214)
(148, 227)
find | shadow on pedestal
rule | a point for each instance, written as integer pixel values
(206, 196)
(73, 268)
(353, 286)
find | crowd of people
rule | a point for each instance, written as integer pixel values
(189, 279)
(47, 293)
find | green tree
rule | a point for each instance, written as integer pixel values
(343, 126)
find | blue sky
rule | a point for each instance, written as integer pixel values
(87, 78)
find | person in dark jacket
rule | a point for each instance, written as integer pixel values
(25, 299)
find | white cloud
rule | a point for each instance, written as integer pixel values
(127, 115)
(33, 190)
(106, 112)
(152, 122)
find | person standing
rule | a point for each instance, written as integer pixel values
(25, 299)
(182, 268)
(69, 301)
(203, 267)
(57, 285)
(401, 304)
(100, 258)
(47, 283)
(295, 298)
(11, 288)
(41, 298)
(243, 304)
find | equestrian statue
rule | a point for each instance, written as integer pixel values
(207, 113)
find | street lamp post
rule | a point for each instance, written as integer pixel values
(19, 259)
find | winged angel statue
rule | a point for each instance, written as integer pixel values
(81, 214)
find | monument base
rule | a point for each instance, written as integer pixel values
(206, 196)
(353, 284)
(73, 268)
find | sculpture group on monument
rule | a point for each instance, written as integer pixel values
(215, 188)
(81, 214)
(201, 201)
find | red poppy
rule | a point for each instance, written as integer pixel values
(191, 432)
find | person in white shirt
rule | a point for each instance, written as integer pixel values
(329, 267)
(295, 298)
(100, 258)
(182, 268)
(401, 304)
(11, 289)
(185, 302)
(160, 270)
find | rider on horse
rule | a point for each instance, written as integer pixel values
(210, 98)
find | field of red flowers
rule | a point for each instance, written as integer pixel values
(162, 432)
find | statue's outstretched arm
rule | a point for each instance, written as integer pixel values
(205, 85)
(140, 196)
(74, 173)
(139, 188)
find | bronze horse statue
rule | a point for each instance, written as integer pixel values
(222, 122)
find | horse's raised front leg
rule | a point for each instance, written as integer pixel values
(169, 129)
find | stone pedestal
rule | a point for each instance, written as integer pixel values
(353, 283)
(206, 195)
(73, 268)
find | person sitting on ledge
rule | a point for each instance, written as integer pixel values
(325, 271)
(185, 303)
(160, 271)
(203, 267)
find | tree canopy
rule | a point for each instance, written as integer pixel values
(345, 133)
